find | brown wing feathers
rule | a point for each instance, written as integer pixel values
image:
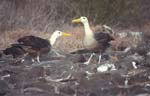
(37, 45)
(103, 41)
(32, 45)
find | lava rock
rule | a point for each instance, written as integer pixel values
(4, 89)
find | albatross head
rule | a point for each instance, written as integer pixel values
(60, 33)
(81, 19)
(57, 34)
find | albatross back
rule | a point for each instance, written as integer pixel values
(102, 41)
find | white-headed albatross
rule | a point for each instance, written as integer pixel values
(95, 42)
(38, 46)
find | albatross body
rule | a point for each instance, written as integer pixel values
(96, 42)
(15, 50)
(38, 46)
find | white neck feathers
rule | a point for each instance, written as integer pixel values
(87, 29)
(53, 38)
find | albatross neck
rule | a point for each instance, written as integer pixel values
(87, 28)
(53, 39)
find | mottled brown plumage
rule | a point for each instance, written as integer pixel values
(102, 42)
(38, 46)
(15, 50)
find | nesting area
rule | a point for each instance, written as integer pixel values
(74, 48)
(121, 73)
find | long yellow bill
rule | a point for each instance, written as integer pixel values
(65, 34)
(76, 20)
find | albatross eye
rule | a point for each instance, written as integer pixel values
(59, 32)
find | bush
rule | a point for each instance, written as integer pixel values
(48, 15)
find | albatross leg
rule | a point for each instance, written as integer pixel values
(99, 59)
(22, 60)
(58, 54)
(38, 59)
(33, 60)
(87, 62)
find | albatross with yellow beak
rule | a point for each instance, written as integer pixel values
(35, 46)
(96, 42)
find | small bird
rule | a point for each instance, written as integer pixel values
(96, 42)
(35, 46)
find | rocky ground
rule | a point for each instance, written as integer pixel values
(122, 73)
